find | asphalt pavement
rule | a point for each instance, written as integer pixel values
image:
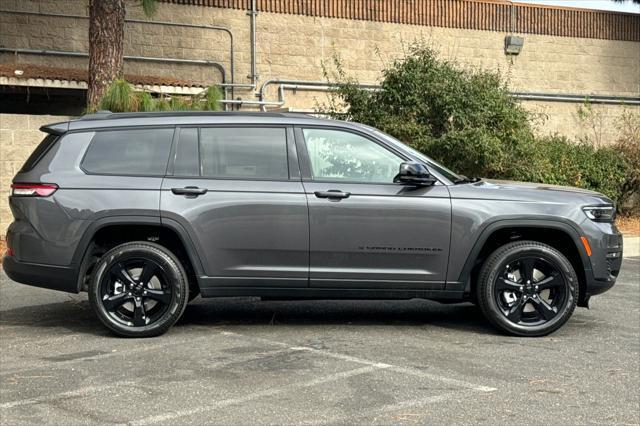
(244, 361)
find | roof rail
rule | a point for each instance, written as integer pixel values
(102, 115)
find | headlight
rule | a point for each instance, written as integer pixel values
(600, 213)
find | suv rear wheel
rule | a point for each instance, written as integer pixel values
(139, 289)
(527, 288)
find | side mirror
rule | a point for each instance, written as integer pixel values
(414, 173)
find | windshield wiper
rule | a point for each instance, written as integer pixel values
(464, 179)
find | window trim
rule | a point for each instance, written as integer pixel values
(118, 129)
(305, 160)
(289, 151)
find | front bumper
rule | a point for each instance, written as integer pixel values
(46, 276)
(606, 261)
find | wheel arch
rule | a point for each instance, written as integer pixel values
(558, 234)
(108, 232)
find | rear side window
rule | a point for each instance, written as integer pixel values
(244, 152)
(39, 152)
(233, 152)
(143, 152)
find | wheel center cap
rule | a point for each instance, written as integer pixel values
(137, 289)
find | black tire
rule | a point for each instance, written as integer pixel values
(139, 289)
(527, 288)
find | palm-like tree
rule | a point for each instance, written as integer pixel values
(106, 45)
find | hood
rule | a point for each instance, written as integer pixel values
(515, 186)
(527, 191)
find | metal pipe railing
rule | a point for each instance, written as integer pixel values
(561, 97)
(216, 65)
(254, 68)
(289, 84)
(164, 23)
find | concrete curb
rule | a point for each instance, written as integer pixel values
(631, 246)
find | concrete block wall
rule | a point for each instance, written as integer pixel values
(19, 135)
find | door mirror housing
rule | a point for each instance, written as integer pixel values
(414, 173)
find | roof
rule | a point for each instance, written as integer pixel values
(108, 119)
(75, 78)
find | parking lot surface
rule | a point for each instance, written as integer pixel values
(243, 361)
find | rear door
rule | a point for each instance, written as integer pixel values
(237, 191)
(365, 230)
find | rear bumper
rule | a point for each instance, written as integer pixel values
(46, 276)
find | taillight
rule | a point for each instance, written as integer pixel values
(33, 189)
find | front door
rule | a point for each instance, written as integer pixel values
(365, 230)
(237, 192)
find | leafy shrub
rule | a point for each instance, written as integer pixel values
(628, 145)
(467, 119)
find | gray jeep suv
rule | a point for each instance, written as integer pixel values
(145, 211)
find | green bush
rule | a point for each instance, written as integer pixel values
(628, 145)
(466, 119)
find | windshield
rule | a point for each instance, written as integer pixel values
(432, 164)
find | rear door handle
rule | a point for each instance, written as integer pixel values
(189, 191)
(332, 194)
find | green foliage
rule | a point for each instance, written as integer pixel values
(466, 119)
(147, 102)
(121, 97)
(628, 145)
(149, 7)
(210, 99)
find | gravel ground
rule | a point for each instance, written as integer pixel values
(242, 361)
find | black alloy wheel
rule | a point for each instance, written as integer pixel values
(530, 291)
(135, 292)
(527, 288)
(139, 289)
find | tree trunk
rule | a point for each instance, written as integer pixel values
(106, 47)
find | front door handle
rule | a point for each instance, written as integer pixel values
(332, 194)
(189, 191)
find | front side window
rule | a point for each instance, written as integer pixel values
(345, 156)
(143, 152)
(244, 152)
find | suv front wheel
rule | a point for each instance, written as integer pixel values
(527, 288)
(139, 289)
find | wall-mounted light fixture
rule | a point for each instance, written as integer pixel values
(513, 44)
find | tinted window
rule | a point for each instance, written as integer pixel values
(338, 155)
(187, 161)
(244, 152)
(39, 152)
(129, 152)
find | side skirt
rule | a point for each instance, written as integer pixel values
(330, 293)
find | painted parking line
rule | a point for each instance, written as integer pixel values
(63, 395)
(370, 366)
(358, 360)
(372, 415)
(161, 343)
(96, 389)
(167, 417)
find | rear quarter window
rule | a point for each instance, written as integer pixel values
(39, 152)
(140, 152)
